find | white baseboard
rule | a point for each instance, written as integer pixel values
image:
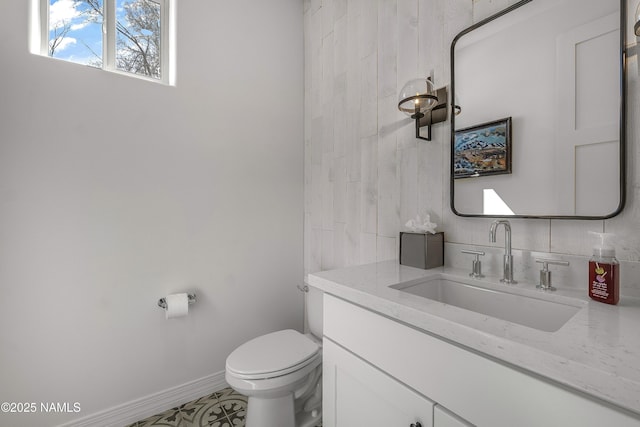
(139, 409)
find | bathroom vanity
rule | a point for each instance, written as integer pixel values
(394, 355)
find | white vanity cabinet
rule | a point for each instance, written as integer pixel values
(358, 394)
(379, 372)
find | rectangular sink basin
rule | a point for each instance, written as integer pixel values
(544, 315)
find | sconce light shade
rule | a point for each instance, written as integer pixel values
(636, 27)
(417, 97)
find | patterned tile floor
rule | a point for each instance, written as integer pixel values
(224, 408)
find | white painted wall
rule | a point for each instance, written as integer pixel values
(115, 192)
(366, 174)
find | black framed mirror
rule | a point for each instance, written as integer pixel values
(541, 131)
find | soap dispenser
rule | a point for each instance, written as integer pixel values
(604, 271)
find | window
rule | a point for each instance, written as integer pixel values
(130, 36)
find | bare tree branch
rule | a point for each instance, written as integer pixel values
(59, 33)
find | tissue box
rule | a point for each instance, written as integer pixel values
(421, 250)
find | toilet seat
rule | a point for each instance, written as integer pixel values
(273, 355)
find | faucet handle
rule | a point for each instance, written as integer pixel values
(545, 274)
(476, 266)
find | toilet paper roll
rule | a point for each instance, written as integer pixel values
(177, 305)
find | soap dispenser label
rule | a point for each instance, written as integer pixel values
(603, 282)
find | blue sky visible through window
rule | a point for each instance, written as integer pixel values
(75, 33)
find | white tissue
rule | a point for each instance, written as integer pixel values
(177, 305)
(420, 225)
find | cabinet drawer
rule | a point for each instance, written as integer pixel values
(480, 390)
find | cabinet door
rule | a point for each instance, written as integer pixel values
(444, 418)
(357, 394)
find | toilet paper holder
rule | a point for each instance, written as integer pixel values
(162, 302)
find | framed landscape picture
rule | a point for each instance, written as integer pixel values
(483, 149)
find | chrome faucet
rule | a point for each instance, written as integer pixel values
(508, 258)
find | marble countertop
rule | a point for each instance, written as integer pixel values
(597, 351)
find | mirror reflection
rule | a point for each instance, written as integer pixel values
(541, 95)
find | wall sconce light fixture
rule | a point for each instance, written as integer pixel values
(419, 100)
(636, 26)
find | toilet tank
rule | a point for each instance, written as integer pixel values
(314, 311)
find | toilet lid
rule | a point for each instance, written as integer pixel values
(271, 354)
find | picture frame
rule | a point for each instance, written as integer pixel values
(483, 149)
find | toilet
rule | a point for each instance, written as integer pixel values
(281, 373)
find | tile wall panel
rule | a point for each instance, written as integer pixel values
(374, 175)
